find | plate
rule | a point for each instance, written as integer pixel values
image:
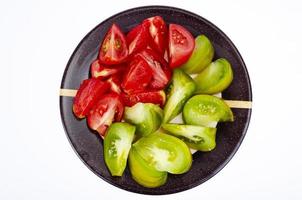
(89, 146)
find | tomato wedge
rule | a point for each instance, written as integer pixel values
(203, 110)
(161, 73)
(143, 173)
(137, 39)
(164, 152)
(117, 144)
(158, 32)
(115, 83)
(108, 109)
(88, 94)
(98, 70)
(181, 45)
(146, 117)
(138, 76)
(114, 48)
(155, 97)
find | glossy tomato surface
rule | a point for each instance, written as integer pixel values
(158, 33)
(114, 48)
(137, 39)
(98, 70)
(115, 83)
(181, 45)
(155, 97)
(161, 73)
(138, 76)
(88, 94)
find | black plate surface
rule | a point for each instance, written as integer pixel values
(89, 146)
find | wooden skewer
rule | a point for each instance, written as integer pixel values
(239, 104)
(68, 92)
(231, 103)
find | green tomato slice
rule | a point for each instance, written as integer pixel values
(117, 144)
(215, 78)
(181, 89)
(164, 152)
(143, 173)
(201, 56)
(146, 117)
(197, 137)
(204, 109)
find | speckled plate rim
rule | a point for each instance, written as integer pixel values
(192, 185)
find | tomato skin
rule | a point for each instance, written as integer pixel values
(214, 109)
(98, 70)
(181, 45)
(137, 77)
(201, 56)
(158, 33)
(114, 48)
(160, 70)
(137, 39)
(214, 78)
(155, 97)
(88, 94)
(108, 109)
(143, 173)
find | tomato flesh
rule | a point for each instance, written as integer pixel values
(108, 109)
(117, 144)
(158, 32)
(137, 39)
(115, 84)
(161, 73)
(164, 152)
(182, 87)
(114, 48)
(197, 137)
(88, 94)
(181, 45)
(138, 76)
(155, 97)
(98, 70)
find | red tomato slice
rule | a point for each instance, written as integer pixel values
(114, 48)
(115, 83)
(181, 45)
(98, 70)
(88, 94)
(138, 76)
(158, 32)
(161, 73)
(108, 109)
(156, 97)
(137, 39)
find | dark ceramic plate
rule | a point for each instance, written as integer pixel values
(89, 146)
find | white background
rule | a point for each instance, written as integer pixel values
(37, 39)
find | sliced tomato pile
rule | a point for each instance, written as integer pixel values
(131, 68)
